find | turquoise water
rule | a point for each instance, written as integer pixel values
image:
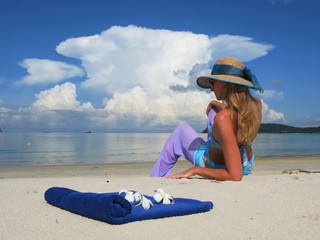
(34, 149)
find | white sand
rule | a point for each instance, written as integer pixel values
(264, 205)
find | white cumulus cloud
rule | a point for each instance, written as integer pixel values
(122, 58)
(270, 115)
(60, 97)
(240, 47)
(55, 108)
(136, 108)
(48, 71)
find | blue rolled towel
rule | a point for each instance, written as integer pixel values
(115, 209)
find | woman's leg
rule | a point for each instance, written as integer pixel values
(182, 142)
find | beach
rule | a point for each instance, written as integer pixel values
(266, 204)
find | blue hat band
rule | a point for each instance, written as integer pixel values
(221, 69)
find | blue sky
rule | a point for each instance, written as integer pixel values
(129, 65)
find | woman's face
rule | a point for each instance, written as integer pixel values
(219, 89)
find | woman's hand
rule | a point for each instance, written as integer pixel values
(185, 174)
(218, 106)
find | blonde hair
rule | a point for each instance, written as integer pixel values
(239, 99)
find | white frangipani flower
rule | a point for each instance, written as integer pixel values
(137, 197)
(145, 202)
(160, 195)
(130, 196)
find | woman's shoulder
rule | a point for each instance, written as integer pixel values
(222, 116)
(223, 125)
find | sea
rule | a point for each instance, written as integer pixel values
(46, 149)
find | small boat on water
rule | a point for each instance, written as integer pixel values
(2, 131)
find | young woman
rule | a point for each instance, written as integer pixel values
(232, 127)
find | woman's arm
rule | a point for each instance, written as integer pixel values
(231, 154)
(215, 174)
(215, 105)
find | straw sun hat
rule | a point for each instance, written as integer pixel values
(230, 70)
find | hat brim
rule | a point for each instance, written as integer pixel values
(204, 81)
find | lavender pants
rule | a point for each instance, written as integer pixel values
(183, 142)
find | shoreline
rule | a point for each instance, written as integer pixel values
(262, 166)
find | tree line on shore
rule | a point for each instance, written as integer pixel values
(280, 128)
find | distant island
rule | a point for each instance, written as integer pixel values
(280, 128)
